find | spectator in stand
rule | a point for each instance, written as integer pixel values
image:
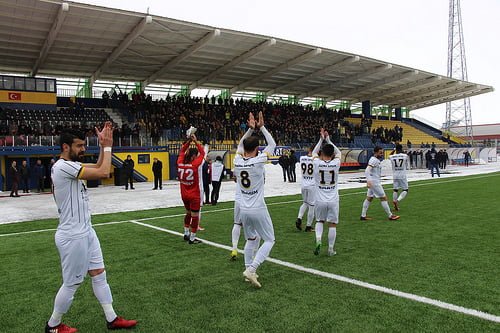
(14, 176)
(408, 144)
(157, 173)
(25, 174)
(128, 172)
(39, 172)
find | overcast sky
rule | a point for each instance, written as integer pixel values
(404, 32)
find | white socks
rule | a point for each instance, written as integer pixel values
(103, 294)
(366, 204)
(385, 205)
(64, 298)
(63, 301)
(249, 251)
(235, 235)
(262, 254)
(192, 237)
(319, 231)
(186, 231)
(302, 210)
(332, 234)
(310, 216)
(402, 195)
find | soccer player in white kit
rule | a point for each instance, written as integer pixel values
(76, 240)
(326, 172)
(308, 189)
(373, 173)
(400, 163)
(249, 170)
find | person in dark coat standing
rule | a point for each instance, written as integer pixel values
(467, 158)
(446, 158)
(206, 177)
(433, 162)
(157, 173)
(292, 160)
(14, 175)
(25, 173)
(217, 171)
(39, 172)
(128, 172)
(283, 162)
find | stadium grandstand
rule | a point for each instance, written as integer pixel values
(76, 65)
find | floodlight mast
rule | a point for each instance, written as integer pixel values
(458, 113)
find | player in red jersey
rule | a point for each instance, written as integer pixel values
(189, 165)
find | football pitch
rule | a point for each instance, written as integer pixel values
(436, 269)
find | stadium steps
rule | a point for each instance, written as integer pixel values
(118, 163)
(410, 132)
(115, 116)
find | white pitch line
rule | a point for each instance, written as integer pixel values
(231, 208)
(45, 230)
(413, 297)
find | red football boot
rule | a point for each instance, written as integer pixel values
(120, 323)
(61, 328)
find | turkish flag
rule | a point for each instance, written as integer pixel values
(14, 96)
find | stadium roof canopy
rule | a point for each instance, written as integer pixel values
(67, 39)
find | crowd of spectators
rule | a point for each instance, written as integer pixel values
(217, 119)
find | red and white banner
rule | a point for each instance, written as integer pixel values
(14, 96)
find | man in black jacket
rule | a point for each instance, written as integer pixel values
(157, 172)
(14, 176)
(25, 173)
(128, 172)
(283, 161)
(206, 175)
(39, 172)
(292, 160)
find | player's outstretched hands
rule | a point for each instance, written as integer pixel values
(105, 136)
(261, 120)
(322, 133)
(251, 121)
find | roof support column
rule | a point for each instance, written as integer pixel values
(366, 108)
(293, 99)
(225, 94)
(139, 87)
(86, 90)
(260, 97)
(319, 102)
(185, 91)
(398, 113)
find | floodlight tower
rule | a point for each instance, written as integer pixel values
(458, 113)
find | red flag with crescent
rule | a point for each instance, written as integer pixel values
(14, 96)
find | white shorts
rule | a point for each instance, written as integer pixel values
(78, 256)
(309, 195)
(400, 184)
(376, 191)
(257, 222)
(327, 211)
